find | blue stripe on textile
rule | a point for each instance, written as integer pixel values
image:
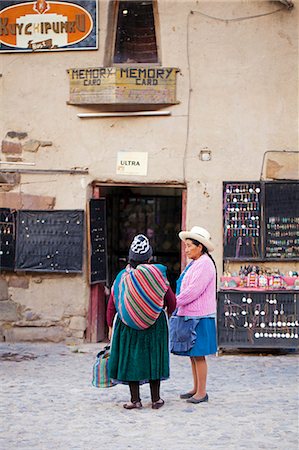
(119, 293)
(144, 295)
(126, 318)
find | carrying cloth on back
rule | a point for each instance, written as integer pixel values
(139, 294)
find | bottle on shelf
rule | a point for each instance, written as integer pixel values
(252, 278)
(262, 280)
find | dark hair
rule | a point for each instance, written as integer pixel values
(197, 243)
(194, 242)
(205, 250)
(134, 263)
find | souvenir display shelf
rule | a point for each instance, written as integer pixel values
(242, 220)
(258, 319)
(258, 306)
(261, 221)
(281, 221)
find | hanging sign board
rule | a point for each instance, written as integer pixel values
(97, 241)
(48, 25)
(123, 85)
(50, 241)
(131, 163)
(7, 238)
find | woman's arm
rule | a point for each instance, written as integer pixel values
(170, 301)
(111, 310)
(199, 277)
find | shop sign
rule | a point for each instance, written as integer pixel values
(131, 163)
(123, 85)
(48, 25)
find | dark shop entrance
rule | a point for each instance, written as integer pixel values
(158, 212)
(153, 211)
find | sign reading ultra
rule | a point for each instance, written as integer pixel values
(131, 163)
(46, 25)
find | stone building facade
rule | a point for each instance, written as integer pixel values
(234, 117)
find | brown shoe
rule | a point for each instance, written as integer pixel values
(133, 405)
(158, 404)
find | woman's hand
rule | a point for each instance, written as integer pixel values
(110, 333)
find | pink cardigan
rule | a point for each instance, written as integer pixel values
(198, 289)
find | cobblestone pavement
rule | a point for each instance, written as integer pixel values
(47, 402)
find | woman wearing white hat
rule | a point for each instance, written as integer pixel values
(196, 301)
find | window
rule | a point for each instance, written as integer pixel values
(135, 38)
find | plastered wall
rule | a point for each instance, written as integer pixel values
(237, 91)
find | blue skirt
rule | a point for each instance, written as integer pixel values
(206, 339)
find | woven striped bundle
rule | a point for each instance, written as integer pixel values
(139, 295)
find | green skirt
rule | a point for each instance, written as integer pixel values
(140, 355)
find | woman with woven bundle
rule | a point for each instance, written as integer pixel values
(196, 302)
(139, 350)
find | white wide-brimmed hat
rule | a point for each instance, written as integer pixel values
(200, 235)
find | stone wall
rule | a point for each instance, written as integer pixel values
(33, 309)
(31, 306)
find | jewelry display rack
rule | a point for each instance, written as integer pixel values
(282, 220)
(50, 241)
(242, 220)
(258, 319)
(261, 224)
(260, 221)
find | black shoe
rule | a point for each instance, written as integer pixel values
(133, 405)
(200, 400)
(187, 395)
(158, 404)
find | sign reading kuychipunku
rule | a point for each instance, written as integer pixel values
(48, 25)
(122, 85)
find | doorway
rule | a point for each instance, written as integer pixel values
(153, 211)
(157, 212)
